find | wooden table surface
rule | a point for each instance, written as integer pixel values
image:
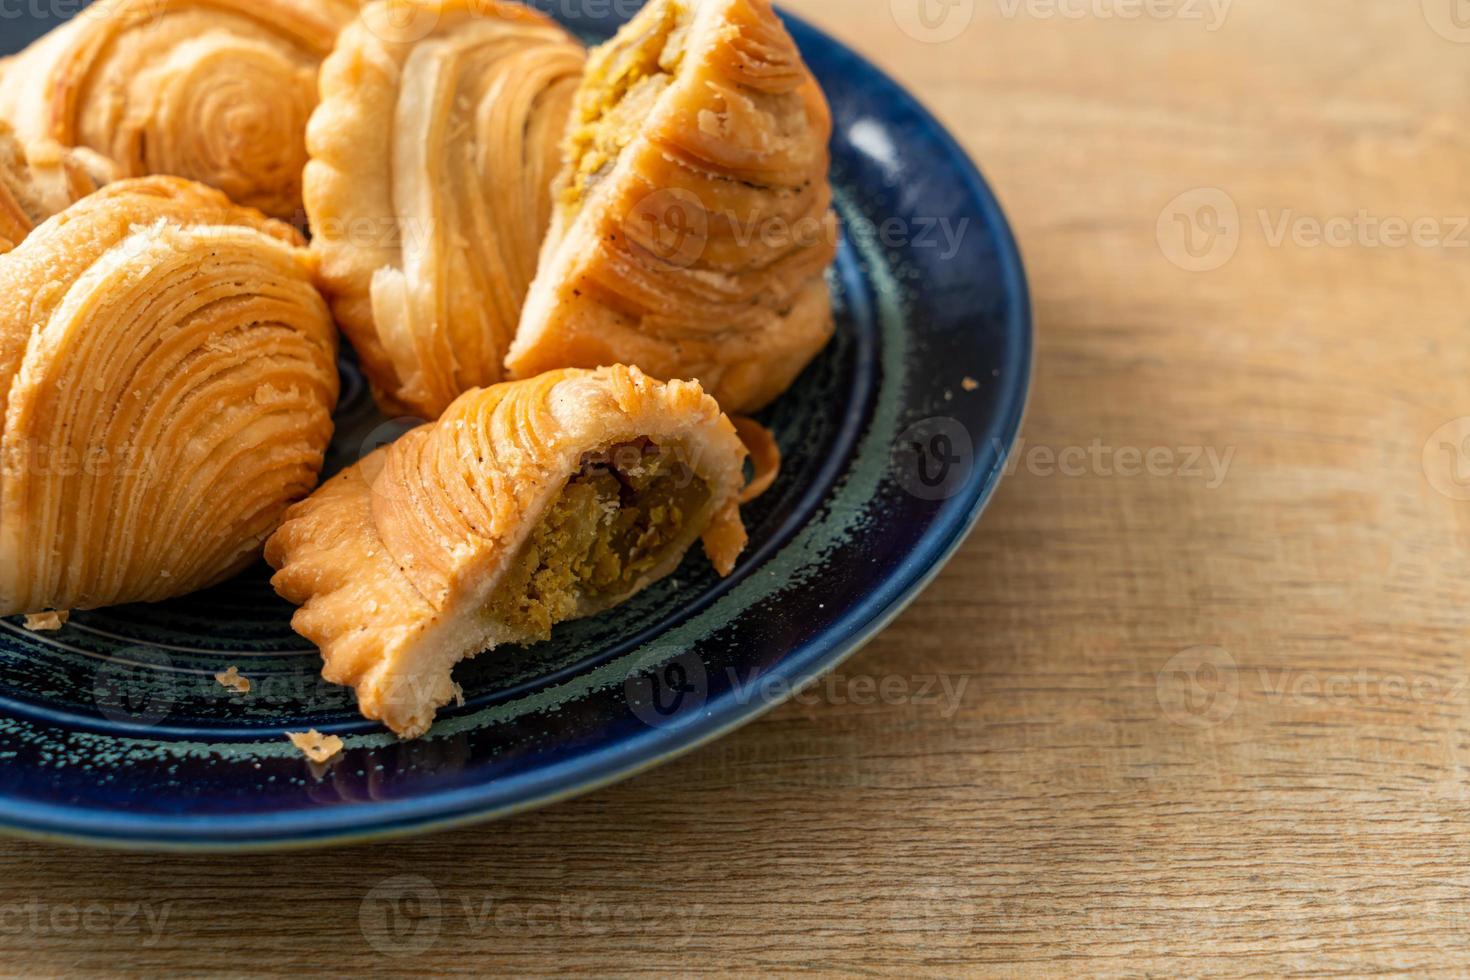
(1207, 649)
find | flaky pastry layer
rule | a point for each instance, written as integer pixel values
(167, 377)
(400, 563)
(218, 91)
(429, 187)
(41, 178)
(693, 223)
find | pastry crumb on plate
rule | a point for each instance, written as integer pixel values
(234, 681)
(316, 746)
(47, 622)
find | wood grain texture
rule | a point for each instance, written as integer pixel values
(1212, 726)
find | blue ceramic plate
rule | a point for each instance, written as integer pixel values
(113, 731)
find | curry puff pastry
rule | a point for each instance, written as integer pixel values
(218, 91)
(40, 179)
(527, 504)
(167, 376)
(693, 223)
(429, 186)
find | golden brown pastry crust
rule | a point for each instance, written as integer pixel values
(429, 186)
(40, 179)
(693, 225)
(218, 91)
(393, 560)
(167, 376)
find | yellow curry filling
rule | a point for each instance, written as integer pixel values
(616, 521)
(624, 79)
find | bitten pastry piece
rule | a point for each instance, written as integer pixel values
(167, 376)
(214, 90)
(38, 180)
(429, 188)
(525, 505)
(693, 221)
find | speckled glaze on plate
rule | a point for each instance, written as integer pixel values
(113, 730)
